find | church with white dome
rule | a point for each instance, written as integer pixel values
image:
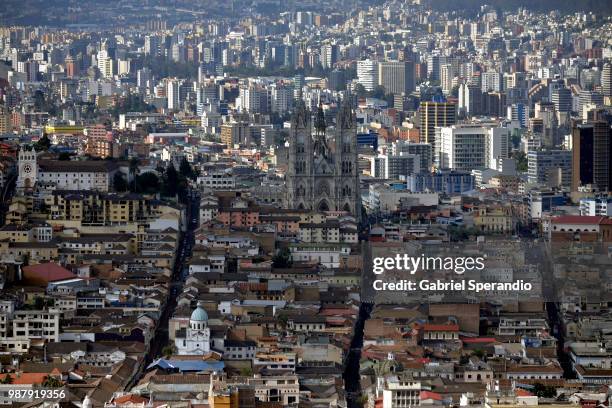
(196, 338)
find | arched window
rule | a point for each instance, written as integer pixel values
(323, 206)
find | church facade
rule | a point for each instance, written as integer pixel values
(195, 339)
(323, 172)
(36, 174)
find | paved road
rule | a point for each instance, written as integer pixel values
(185, 246)
(351, 367)
(6, 195)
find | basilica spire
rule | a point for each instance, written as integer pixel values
(320, 120)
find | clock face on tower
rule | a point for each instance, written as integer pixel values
(27, 168)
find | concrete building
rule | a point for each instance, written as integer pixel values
(396, 77)
(65, 175)
(449, 182)
(397, 392)
(435, 114)
(234, 133)
(423, 150)
(367, 74)
(592, 156)
(596, 206)
(395, 167)
(466, 147)
(549, 167)
(194, 340)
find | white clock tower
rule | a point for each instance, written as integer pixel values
(28, 168)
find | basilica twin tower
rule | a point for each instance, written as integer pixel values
(323, 172)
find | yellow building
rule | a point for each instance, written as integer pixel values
(35, 252)
(5, 121)
(95, 208)
(19, 209)
(494, 219)
(16, 233)
(64, 129)
(505, 182)
(234, 133)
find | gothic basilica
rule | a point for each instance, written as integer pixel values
(323, 173)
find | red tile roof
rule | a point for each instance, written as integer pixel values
(578, 219)
(26, 378)
(441, 327)
(48, 272)
(473, 340)
(523, 393)
(430, 395)
(124, 399)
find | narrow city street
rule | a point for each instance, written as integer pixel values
(351, 367)
(184, 248)
(6, 194)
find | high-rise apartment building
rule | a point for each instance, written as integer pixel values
(329, 55)
(394, 167)
(367, 74)
(423, 150)
(447, 73)
(435, 114)
(173, 89)
(606, 80)
(592, 156)
(549, 167)
(491, 81)
(5, 120)
(470, 99)
(105, 64)
(468, 147)
(518, 112)
(396, 77)
(562, 99)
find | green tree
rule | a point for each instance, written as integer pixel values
(171, 181)
(44, 143)
(39, 303)
(282, 259)
(378, 92)
(281, 137)
(246, 371)
(360, 91)
(185, 169)
(134, 163)
(168, 351)
(544, 391)
(52, 382)
(521, 161)
(119, 182)
(148, 183)
(479, 353)
(283, 319)
(390, 99)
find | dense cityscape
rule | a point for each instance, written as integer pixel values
(263, 204)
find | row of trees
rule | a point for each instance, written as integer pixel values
(130, 103)
(378, 92)
(169, 183)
